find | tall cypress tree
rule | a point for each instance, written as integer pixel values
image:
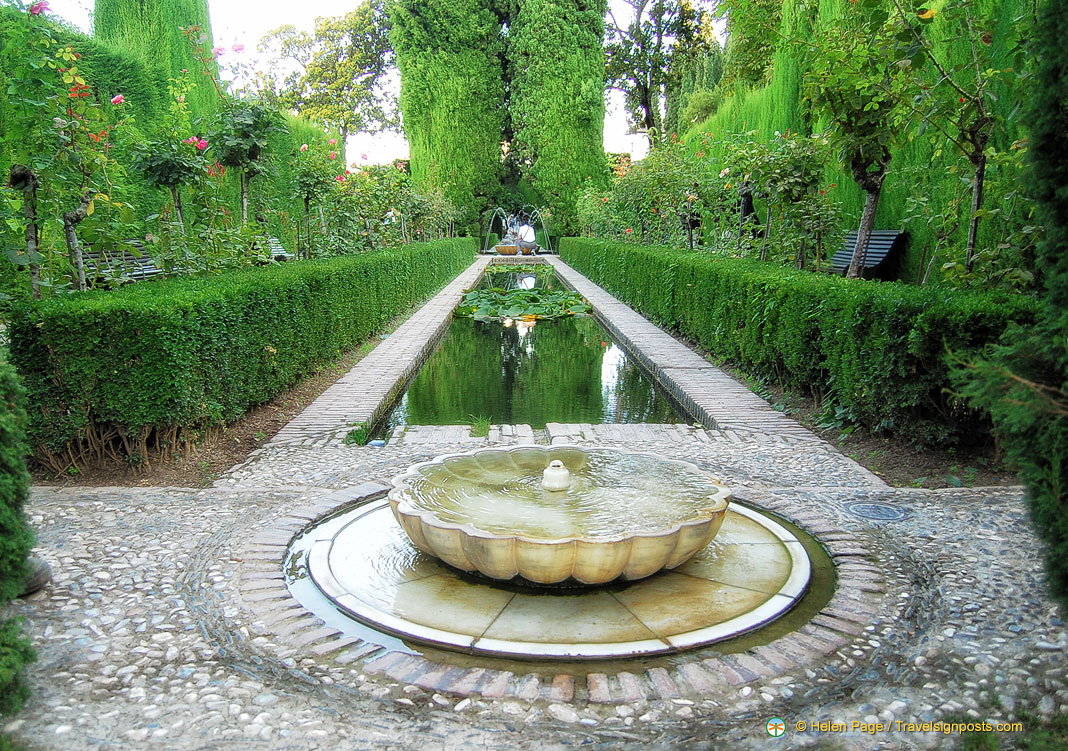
(452, 97)
(556, 64)
(1025, 385)
(152, 29)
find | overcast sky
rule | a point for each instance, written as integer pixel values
(247, 21)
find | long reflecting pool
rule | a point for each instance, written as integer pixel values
(517, 372)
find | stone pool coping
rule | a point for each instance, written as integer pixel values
(441, 627)
(859, 598)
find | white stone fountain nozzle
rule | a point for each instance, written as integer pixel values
(556, 476)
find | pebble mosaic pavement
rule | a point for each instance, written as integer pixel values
(169, 626)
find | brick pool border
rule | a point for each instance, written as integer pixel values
(858, 599)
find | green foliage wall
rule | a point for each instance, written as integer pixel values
(1025, 384)
(921, 164)
(163, 358)
(875, 351)
(556, 64)
(452, 98)
(150, 30)
(16, 539)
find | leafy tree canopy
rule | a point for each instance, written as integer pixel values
(339, 70)
(752, 38)
(645, 58)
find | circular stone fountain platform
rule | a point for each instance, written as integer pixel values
(753, 572)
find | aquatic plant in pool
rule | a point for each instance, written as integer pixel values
(527, 304)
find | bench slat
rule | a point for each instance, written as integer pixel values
(119, 265)
(880, 246)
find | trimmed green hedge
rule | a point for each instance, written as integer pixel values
(125, 374)
(876, 351)
(16, 539)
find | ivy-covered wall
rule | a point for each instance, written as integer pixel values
(922, 163)
(556, 64)
(452, 98)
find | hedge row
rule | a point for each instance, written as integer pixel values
(16, 539)
(143, 366)
(877, 352)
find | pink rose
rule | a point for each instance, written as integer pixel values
(202, 144)
(191, 139)
(332, 155)
(341, 178)
(363, 157)
(628, 229)
(238, 48)
(117, 99)
(332, 141)
(303, 147)
(38, 8)
(217, 51)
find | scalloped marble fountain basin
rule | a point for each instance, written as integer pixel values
(625, 515)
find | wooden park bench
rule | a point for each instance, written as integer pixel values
(278, 251)
(120, 265)
(885, 249)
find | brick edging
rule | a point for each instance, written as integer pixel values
(859, 597)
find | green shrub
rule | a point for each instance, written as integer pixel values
(1025, 381)
(877, 352)
(702, 105)
(449, 53)
(129, 374)
(557, 101)
(778, 105)
(16, 539)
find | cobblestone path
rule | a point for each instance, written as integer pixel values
(169, 626)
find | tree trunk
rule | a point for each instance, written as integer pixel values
(767, 235)
(244, 199)
(741, 222)
(322, 221)
(307, 231)
(71, 219)
(689, 223)
(177, 196)
(23, 178)
(977, 203)
(867, 224)
(300, 233)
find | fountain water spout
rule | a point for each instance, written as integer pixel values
(556, 476)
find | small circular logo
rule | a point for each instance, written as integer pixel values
(776, 727)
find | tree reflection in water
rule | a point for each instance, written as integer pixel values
(515, 372)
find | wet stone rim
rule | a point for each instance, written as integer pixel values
(860, 596)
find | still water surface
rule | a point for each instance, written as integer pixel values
(514, 372)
